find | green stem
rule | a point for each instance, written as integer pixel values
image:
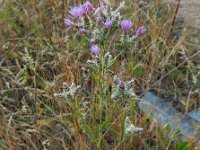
(102, 72)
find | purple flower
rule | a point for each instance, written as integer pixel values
(82, 30)
(100, 3)
(140, 31)
(99, 19)
(121, 84)
(83, 10)
(75, 12)
(108, 23)
(95, 50)
(88, 6)
(68, 22)
(126, 25)
(79, 11)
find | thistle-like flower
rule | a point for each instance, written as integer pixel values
(126, 25)
(108, 23)
(98, 20)
(82, 30)
(75, 12)
(88, 6)
(122, 90)
(95, 50)
(140, 31)
(121, 84)
(83, 10)
(68, 23)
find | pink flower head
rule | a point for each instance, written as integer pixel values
(82, 30)
(75, 12)
(100, 3)
(140, 31)
(95, 50)
(126, 25)
(121, 84)
(68, 23)
(88, 6)
(83, 10)
(108, 23)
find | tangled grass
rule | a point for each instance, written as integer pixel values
(39, 53)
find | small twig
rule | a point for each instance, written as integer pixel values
(63, 17)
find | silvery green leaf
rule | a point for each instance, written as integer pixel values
(130, 128)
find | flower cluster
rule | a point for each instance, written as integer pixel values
(69, 92)
(82, 10)
(95, 49)
(96, 23)
(122, 90)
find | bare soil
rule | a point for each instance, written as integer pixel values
(189, 11)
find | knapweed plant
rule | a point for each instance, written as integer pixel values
(71, 73)
(97, 26)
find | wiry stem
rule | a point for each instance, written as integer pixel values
(171, 29)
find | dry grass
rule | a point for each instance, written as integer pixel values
(38, 53)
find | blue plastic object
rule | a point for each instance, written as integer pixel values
(164, 113)
(195, 114)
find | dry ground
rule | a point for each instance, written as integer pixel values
(190, 12)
